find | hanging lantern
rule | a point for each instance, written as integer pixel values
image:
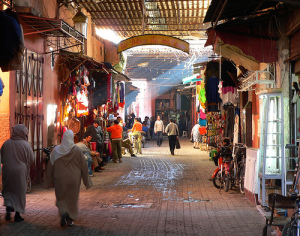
(80, 21)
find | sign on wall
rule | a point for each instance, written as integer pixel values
(154, 39)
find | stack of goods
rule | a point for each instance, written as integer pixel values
(215, 127)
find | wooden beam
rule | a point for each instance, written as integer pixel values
(108, 25)
(291, 2)
(156, 31)
(139, 18)
(220, 13)
(181, 9)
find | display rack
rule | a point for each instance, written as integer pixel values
(271, 164)
(215, 127)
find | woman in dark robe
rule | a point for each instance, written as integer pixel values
(17, 157)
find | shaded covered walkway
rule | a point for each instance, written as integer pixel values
(152, 194)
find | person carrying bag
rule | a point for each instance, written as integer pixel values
(172, 131)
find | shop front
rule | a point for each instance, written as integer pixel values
(263, 101)
(92, 90)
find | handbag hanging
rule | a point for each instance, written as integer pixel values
(177, 144)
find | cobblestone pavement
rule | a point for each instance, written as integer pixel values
(152, 194)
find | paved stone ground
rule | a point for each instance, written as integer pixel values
(153, 194)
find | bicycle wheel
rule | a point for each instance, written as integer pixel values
(241, 179)
(217, 181)
(290, 229)
(227, 182)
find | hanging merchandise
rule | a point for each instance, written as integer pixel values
(109, 87)
(122, 95)
(212, 86)
(229, 89)
(1, 87)
(230, 117)
(11, 41)
(236, 129)
(215, 127)
(212, 95)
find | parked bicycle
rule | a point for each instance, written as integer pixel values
(292, 228)
(238, 166)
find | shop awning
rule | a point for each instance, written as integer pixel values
(237, 56)
(250, 41)
(228, 9)
(77, 59)
(129, 88)
(192, 78)
(120, 77)
(261, 48)
(48, 26)
(130, 97)
(116, 75)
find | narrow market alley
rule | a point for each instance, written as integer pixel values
(152, 194)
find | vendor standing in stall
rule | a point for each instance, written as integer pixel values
(116, 137)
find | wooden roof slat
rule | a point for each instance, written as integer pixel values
(180, 9)
(126, 16)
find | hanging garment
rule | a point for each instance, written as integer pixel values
(220, 89)
(202, 97)
(212, 95)
(16, 62)
(229, 95)
(198, 87)
(202, 130)
(236, 130)
(227, 66)
(202, 114)
(1, 87)
(202, 122)
(11, 37)
(229, 128)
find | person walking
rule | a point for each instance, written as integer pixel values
(65, 170)
(196, 135)
(172, 131)
(152, 122)
(158, 130)
(17, 157)
(148, 123)
(116, 136)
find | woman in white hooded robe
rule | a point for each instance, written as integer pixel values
(65, 170)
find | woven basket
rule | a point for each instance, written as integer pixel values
(74, 125)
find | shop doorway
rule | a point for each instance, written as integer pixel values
(29, 107)
(162, 109)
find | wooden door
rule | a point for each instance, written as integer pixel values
(29, 107)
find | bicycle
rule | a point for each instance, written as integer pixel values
(238, 166)
(292, 228)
